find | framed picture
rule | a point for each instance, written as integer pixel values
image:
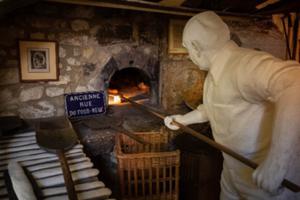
(38, 61)
(298, 49)
(175, 36)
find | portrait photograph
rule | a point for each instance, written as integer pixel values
(38, 61)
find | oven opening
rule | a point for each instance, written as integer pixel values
(131, 82)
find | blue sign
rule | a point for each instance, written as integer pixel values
(84, 104)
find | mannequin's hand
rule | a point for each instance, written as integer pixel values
(168, 121)
(269, 175)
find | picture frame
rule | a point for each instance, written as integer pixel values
(175, 36)
(38, 61)
(298, 49)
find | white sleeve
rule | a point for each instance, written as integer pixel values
(276, 81)
(198, 115)
(263, 77)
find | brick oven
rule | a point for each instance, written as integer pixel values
(133, 71)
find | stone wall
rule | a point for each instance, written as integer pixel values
(259, 34)
(92, 44)
(90, 39)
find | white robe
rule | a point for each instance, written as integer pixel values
(242, 92)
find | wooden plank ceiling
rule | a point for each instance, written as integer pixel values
(178, 7)
(250, 7)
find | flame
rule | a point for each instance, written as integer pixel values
(139, 89)
(114, 99)
(142, 86)
(113, 91)
(117, 99)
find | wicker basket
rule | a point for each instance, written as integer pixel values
(148, 171)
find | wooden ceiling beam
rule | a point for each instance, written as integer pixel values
(280, 7)
(172, 2)
(149, 7)
(134, 5)
(265, 4)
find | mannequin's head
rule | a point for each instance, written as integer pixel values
(203, 35)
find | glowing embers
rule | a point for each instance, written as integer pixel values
(116, 99)
(113, 97)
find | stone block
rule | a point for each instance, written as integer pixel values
(110, 33)
(59, 101)
(73, 40)
(88, 68)
(41, 23)
(80, 25)
(116, 49)
(63, 80)
(42, 109)
(9, 76)
(51, 36)
(148, 51)
(9, 97)
(87, 53)
(69, 39)
(62, 52)
(76, 51)
(7, 113)
(6, 95)
(68, 68)
(54, 91)
(37, 36)
(60, 112)
(94, 30)
(12, 63)
(12, 106)
(73, 61)
(81, 88)
(33, 93)
(60, 24)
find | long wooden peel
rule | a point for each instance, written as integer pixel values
(286, 183)
(58, 136)
(109, 122)
(131, 135)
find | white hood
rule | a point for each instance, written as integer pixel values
(207, 29)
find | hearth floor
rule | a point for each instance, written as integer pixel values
(98, 138)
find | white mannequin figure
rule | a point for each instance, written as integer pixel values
(252, 101)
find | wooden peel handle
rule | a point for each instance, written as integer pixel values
(67, 176)
(286, 183)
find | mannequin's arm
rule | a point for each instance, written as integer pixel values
(270, 79)
(285, 141)
(196, 116)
